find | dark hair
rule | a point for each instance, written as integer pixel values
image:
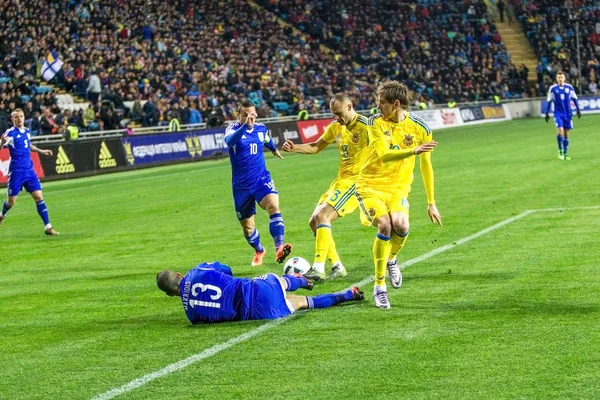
(245, 103)
(560, 73)
(391, 91)
(168, 282)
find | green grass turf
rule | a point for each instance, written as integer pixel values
(512, 314)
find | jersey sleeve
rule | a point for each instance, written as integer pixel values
(330, 133)
(377, 138)
(216, 266)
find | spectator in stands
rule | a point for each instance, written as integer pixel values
(34, 124)
(137, 112)
(47, 123)
(501, 7)
(94, 87)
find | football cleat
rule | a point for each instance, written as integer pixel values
(394, 273)
(560, 155)
(357, 294)
(258, 258)
(51, 232)
(282, 252)
(381, 299)
(315, 275)
(566, 158)
(337, 271)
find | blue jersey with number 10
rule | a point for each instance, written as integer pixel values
(19, 146)
(246, 155)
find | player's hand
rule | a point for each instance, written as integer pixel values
(250, 119)
(547, 118)
(46, 152)
(578, 114)
(425, 147)
(288, 145)
(3, 139)
(277, 154)
(434, 214)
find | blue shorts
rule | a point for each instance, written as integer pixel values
(563, 121)
(245, 199)
(19, 180)
(268, 299)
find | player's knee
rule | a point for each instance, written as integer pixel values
(11, 201)
(322, 218)
(401, 227)
(384, 227)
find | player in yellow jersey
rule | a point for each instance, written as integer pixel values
(384, 181)
(351, 133)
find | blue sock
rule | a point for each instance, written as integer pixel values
(254, 241)
(565, 146)
(328, 300)
(43, 211)
(5, 208)
(559, 139)
(295, 282)
(276, 229)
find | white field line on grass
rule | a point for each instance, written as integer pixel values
(136, 383)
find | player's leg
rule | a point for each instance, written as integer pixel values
(325, 300)
(291, 283)
(270, 203)
(34, 187)
(324, 216)
(374, 211)
(245, 210)
(400, 228)
(13, 186)
(558, 121)
(566, 130)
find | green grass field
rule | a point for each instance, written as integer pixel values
(513, 313)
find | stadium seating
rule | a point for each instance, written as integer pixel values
(551, 29)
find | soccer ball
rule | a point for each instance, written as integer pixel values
(296, 265)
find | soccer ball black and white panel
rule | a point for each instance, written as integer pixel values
(296, 265)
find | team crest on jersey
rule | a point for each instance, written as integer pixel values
(372, 212)
(355, 138)
(408, 140)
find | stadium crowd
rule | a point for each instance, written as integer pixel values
(194, 60)
(550, 27)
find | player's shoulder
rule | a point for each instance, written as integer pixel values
(260, 125)
(553, 87)
(9, 131)
(362, 120)
(233, 126)
(373, 119)
(419, 122)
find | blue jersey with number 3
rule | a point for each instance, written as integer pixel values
(246, 156)
(19, 146)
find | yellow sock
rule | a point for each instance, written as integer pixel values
(322, 243)
(381, 251)
(332, 253)
(397, 243)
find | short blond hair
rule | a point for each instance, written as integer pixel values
(390, 91)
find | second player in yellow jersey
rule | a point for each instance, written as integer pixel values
(350, 131)
(384, 182)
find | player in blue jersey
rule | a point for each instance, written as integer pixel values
(561, 95)
(20, 170)
(251, 181)
(210, 293)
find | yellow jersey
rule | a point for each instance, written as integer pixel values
(353, 141)
(395, 175)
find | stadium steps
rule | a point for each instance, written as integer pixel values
(518, 47)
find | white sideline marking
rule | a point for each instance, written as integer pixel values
(136, 383)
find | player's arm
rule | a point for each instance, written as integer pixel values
(307, 148)
(428, 180)
(574, 98)
(3, 140)
(549, 101)
(232, 136)
(378, 142)
(40, 151)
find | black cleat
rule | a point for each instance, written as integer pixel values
(357, 294)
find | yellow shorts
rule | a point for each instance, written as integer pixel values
(340, 196)
(375, 203)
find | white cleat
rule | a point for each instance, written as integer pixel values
(381, 299)
(394, 273)
(337, 271)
